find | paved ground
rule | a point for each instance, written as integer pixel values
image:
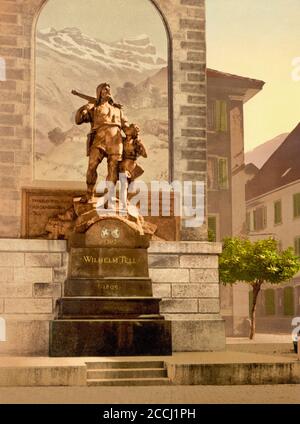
(263, 348)
(232, 356)
(261, 338)
(275, 394)
(266, 344)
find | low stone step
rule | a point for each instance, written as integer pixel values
(129, 382)
(124, 364)
(126, 373)
(115, 287)
(100, 307)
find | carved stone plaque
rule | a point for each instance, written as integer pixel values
(38, 205)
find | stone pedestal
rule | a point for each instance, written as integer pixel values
(108, 308)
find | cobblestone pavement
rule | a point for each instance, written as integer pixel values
(272, 394)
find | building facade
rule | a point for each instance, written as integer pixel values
(226, 176)
(273, 210)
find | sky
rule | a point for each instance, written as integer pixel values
(108, 20)
(259, 39)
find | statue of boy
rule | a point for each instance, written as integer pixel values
(133, 147)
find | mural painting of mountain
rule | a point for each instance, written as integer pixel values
(68, 59)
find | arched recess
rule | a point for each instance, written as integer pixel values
(169, 75)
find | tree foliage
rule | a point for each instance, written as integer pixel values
(243, 260)
(255, 263)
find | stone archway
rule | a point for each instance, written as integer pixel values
(144, 65)
(185, 20)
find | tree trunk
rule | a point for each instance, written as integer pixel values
(256, 290)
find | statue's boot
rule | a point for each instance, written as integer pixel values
(89, 194)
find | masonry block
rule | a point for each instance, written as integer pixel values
(30, 306)
(47, 290)
(178, 305)
(33, 274)
(199, 261)
(6, 274)
(191, 336)
(43, 259)
(163, 261)
(161, 290)
(204, 275)
(12, 290)
(195, 290)
(26, 337)
(11, 259)
(170, 275)
(209, 306)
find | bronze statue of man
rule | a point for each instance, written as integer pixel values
(105, 139)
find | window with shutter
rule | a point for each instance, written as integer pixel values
(223, 173)
(288, 301)
(221, 116)
(277, 212)
(248, 221)
(297, 245)
(264, 213)
(296, 205)
(212, 173)
(212, 228)
(260, 218)
(269, 302)
(211, 115)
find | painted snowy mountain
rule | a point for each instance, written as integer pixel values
(68, 59)
(137, 55)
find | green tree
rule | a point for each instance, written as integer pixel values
(256, 263)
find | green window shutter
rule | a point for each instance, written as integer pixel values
(211, 115)
(248, 221)
(288, 301)
(269, 302)
(223, 116)
(254, 220)
(297, 246)
(218, 115)
(212, 228)
(264, 217)
(212, 173)
(223, 173)
(296, 205)
(277, 212)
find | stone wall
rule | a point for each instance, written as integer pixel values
(31, 277)
(185, 275)
(185, 20)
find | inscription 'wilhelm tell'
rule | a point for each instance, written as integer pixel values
(115, 260)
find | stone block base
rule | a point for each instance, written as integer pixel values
(26, 337)
(109, 338)
(202, 335)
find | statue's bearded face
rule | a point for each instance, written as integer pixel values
(105, 92)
